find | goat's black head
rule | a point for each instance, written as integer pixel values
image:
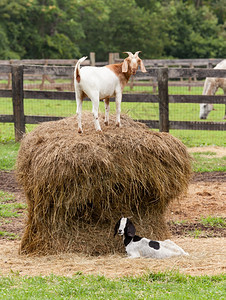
(124, 226)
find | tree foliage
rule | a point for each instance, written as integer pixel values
(72, 28)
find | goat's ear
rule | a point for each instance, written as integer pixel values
(130, 229)
(116, 227)
(142, 67)
(125, 66)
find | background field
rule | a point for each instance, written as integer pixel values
(145, 111)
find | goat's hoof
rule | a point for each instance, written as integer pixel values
(118, 124)
(80, 130)
(106, 123)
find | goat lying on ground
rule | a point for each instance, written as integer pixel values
(141, 247)
(211, 86)
(103, 83)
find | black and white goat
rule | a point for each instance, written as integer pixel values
(141, 247)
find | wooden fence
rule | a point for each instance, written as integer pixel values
(114, 58)
(49, 83)
(18, 94)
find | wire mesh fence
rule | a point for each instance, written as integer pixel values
(137, 110)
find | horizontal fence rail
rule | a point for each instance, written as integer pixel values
(162, 76)
(114, 58)
(42, 62)
(182, 62)
(142, 98)
(152, 72)
(185, 73)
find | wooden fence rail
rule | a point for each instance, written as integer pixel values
(112, 58)
(162, 74)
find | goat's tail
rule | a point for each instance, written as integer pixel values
(77, 68)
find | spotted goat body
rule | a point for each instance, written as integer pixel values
(137, 246)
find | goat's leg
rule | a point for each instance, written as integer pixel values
(95, 103)
(107, 109)
(118, 100)
(79, 111)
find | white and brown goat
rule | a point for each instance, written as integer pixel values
(102, 83)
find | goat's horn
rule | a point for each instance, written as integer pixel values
(129, 53)
(136, 54)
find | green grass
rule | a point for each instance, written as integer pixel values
(195, 233)
(172, 90)
(214, 221)
(177, 111)
(151, 286)
(200, 138)
(8, 207)
(8, 153)
(206, 162)
(8, 235)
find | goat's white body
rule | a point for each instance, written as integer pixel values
(102, 81)
(97, 83)
(211, 86)
(142, 249)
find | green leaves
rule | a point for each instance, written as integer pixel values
(72, 28)
(192, 32)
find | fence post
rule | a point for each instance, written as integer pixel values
(92, 58)
(18, 101)
(154, 80)
(111, 58)
(163, 100)
(210, 65)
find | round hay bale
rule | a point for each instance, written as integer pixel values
(78, 185)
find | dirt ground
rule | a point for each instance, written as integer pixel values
(206, 196)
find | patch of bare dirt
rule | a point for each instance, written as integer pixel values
(220, 151)
(8, 182)
(206, 196)
(202, 199)
(14, 225)
(197, 230)
(209, 177)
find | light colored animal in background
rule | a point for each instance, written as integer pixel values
(211, 86)
(102, 83)
(141, 247)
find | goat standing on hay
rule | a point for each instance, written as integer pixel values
(103, 83)
(211, 86)
(141, 247)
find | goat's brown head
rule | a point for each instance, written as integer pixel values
(131, 63)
